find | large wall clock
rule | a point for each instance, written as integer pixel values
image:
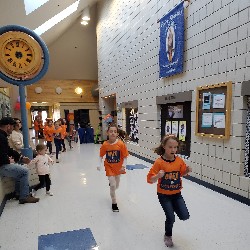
(24, 57)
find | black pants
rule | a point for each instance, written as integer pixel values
(58, 145)
(42, 179)
(63, 144)
(49, 146)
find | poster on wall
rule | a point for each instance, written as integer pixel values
(206, 102)
(132, 124)
(175, 111)
(175, 128)
(168, 129)
(219, 120)
(172, 42)
(207, 120)
(182, 130)
(218, 101)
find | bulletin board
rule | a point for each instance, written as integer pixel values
(213, 110)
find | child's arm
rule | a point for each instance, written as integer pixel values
(188, 170)
(124, 165)
(155, 173)
(50, 160)
(157, 176)
(33, 161)
(100, 164)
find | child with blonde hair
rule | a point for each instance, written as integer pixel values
(42, 161)
(168, 170)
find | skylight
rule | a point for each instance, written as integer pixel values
(31, 5)
(57, 18)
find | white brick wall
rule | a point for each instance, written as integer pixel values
(217, 46)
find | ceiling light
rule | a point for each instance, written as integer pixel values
(84, 23)
(85, 14)
(78, 90)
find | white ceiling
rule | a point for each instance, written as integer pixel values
(13, 12)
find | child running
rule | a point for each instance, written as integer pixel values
(42, 162)
(168, 170)
(115, 162)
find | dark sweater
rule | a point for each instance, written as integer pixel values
(6, 151)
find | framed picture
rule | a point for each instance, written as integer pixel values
(213, 110)
(175, 111)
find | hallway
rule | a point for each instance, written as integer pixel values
(81, 200)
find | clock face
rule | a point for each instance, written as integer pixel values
(21, 55)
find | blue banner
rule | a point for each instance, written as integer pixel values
(172, 42)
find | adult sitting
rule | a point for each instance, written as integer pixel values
(16, 137)
(9, 166)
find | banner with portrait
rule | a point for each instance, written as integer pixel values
(172, 42)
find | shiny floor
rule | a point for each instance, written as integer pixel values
(81, 201)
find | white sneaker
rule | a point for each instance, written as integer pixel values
(49, 193)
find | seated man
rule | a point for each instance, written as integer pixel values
(8, 163)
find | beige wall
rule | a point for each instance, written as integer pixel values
(74, 55)
(216, 50)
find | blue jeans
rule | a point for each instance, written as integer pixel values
(173, 204)
(21, 176)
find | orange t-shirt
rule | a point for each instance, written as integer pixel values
(57, 133)
(48, 132)
(171, 182)
(115, 154)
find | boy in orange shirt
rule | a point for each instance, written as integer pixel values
(168, 170)
(115, 162)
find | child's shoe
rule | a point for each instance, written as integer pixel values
(168, 241)
(49, 193)
(115, 208)
(57, 161)
(33, 192)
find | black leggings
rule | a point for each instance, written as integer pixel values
(49, 146)
(42, 179)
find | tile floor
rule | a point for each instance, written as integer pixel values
(81, 201)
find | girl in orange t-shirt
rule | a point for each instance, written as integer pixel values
(115, 162)
(168, 170)
(64, 133)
